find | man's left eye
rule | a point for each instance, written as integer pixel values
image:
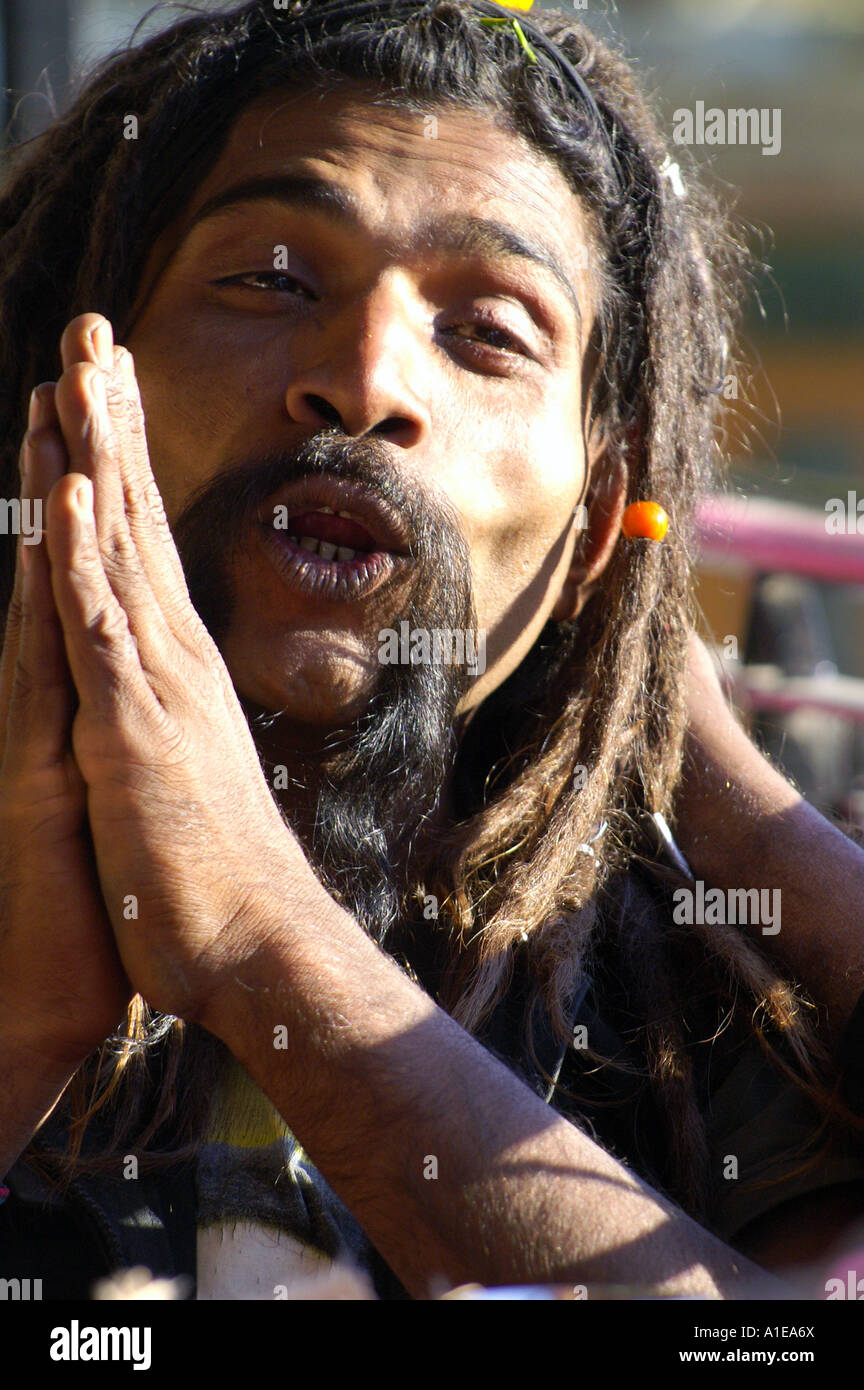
(506, 342)
(286, 283)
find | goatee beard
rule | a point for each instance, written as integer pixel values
(369, 805)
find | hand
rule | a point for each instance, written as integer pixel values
(62, 986)
(188, 839)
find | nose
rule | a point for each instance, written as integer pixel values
(364, 371)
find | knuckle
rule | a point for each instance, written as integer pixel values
(135, 425)
(119, 551)
(153, 501)
(73, 390)
(76, 380)
(173, 739)
(23, 684)
(44, 434)
(115, 390)
(14, 614)
(87, 563)
(109, 627)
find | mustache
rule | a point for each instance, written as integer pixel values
(237, 494)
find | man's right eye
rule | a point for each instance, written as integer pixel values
(247, 279)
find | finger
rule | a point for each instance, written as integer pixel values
(106, 445)
(42, 698)
(42, 461)
(12, 629)
(94, 448)
(86, 430)
(100, 646)
(144, 506)
(89, 339)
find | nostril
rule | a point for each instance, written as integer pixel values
(323, 408)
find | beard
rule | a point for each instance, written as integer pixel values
(367, 806)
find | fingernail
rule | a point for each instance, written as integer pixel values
(36, 411)
(102, 338)
(83, 498)
(127, 366)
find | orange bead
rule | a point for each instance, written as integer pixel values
(646, 520)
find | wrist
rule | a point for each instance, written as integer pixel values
(37, 1054)
(281, 927)
(318, 989)
(33, 1084)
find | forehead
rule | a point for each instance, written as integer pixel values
(466, 150)
(397, 165)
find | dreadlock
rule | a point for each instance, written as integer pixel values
(603, 694)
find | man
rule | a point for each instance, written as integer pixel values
(409, 321)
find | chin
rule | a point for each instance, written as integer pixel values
(328, 693)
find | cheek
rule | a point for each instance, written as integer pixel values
(523, 537)
(198, 407)
(519, 571)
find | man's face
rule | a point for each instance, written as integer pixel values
(380, 309)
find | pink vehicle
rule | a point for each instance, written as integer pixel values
(782, 594)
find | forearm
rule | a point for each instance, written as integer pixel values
(742, 825)
(376, 1082)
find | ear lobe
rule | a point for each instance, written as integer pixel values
(605, 502)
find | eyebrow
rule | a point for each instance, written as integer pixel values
(459, 234)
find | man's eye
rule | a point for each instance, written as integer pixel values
(268, 280)
(493, 336)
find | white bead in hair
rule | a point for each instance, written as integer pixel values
(671, 171)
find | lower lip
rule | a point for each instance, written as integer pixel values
(340, 580)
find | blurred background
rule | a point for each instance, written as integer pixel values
(781, 584)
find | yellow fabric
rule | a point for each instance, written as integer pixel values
(242, 1114)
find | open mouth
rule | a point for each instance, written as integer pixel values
(330, 535)
(334, 539)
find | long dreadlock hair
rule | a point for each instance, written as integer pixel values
(603, 693)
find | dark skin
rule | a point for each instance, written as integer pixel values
(233, 929)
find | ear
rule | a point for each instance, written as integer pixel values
(604, 501)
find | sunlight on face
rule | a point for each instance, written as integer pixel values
(339, 268)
